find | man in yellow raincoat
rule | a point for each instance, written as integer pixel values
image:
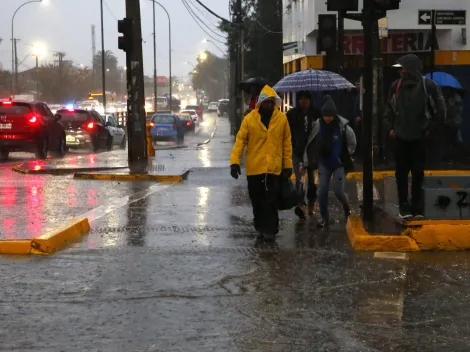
(266, 135)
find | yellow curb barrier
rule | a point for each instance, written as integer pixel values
(20, 170)
(361, 240)
(435, 222)
(15, 247)
(127, 177)
(53, 241)
(379, 175)
(448, 237)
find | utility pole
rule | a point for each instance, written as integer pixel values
(93, 52)
(103, 61)
(15, 74)
(131, 43)
(239, 73)
(433, 43)
(367, 171)
(340, 52)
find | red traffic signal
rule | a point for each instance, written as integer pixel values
(125, 40)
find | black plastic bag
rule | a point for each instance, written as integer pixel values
(288, 195)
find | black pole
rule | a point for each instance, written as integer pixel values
(340, 54)
(368, 182)
(37, 77)
(136, 119)
(433, 42)
(155, 89)
(103, 68)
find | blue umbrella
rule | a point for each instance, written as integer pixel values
(443, 79)
(312, 80)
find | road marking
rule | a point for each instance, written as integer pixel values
(115, 204)
(391, 255)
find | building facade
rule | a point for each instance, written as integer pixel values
(405, 35)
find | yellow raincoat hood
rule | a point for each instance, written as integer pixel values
(268, 93)
(268, 149)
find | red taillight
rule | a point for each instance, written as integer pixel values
(90, 126)
(174, 126)
(7, 103)
(33, 120)
(188, 123)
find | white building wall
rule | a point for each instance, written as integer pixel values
(300, 23)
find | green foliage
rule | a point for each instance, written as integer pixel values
(263, 38)
(210, 75)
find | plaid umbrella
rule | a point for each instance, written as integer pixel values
(314, 81)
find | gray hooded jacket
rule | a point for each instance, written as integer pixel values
(406, 110)
(351, 141)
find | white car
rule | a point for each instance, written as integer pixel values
(213, 106)
(193, 114)
(116, 131)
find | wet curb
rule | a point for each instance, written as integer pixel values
(212, 134)
(171, 147)
(133, 177)
(361, 240)
(50, 242)
(65, 171)
(447, 235)
(379, 175)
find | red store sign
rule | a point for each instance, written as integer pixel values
(406, 42)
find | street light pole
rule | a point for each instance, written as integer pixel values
(155, 88)
(14, 69)
(37, 77)
(169, 46)
(103, 68)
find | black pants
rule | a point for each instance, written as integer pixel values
(264, 195)
(410, 156)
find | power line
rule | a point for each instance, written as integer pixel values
(106, 4)
(197, 22)
(203, 22)
(266, 29)
(212, 12)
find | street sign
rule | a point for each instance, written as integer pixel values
(443, 17)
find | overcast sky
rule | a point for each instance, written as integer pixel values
(65, 25)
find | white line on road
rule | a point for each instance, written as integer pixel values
(115, 204)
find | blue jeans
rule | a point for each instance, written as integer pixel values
(324, 176)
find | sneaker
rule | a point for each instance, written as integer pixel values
(322, 223)
(405, 212)
(311, 208)
(417, 213)
(300, 212)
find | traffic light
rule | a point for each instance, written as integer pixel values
(387, 4)
(125, 40)
(342, 5)
(327, 34)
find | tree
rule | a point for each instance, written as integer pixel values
(5, 82)
(263, 38)
(210, 75)
(113, 75)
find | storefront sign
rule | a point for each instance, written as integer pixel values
(407, 42)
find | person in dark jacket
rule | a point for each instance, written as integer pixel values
(301, 119)
(329, 148)
(415, 107)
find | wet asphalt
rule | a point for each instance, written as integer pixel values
(178, 268)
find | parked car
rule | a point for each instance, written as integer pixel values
(30, 126)
(118, 134)
(213, 106)
(188, 122)
(223, 108)
(85, 129)
(198, 110)
(167, 127)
